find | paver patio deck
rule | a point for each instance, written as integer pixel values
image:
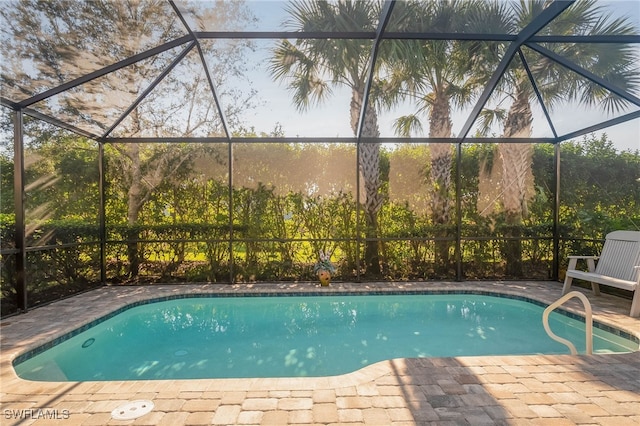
(509, 390)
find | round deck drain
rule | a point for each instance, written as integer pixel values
(132, 410)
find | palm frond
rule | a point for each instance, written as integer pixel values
(311, 67)
(615, 63)
(489, 117)
(485, 17)
(407, 125)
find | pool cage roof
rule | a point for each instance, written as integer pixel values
(271, 71)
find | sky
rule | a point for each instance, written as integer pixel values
(276, 105)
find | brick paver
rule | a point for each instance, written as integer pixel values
(226, 415)
(325, 413)
(510, 390)
(295, 403)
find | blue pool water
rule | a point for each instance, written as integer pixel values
(302, 336)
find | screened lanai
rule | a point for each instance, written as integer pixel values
(232, 141)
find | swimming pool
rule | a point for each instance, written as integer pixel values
(217, 337)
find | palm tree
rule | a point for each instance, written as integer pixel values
(313, 66)
(615, 62)
(435, 74)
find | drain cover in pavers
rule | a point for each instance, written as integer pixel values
(132, 410)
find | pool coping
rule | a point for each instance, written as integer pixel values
(22, 333)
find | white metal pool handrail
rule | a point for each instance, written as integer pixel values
(588, 321)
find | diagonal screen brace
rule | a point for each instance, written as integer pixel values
(547, 15)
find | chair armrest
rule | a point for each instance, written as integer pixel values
(573, 262)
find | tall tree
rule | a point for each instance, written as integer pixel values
(312, 67)
(50, 43)
(616, 63)
(434, 74)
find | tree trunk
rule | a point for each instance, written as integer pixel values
(440, 178)
(369, 168)
(516, 165)
(513, 247)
